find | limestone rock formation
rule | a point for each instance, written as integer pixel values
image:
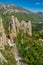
(2, 34)
(26, 26)
(15, 25)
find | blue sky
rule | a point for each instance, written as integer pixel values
(33, 5)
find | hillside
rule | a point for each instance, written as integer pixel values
(20, 13)
(21, 36)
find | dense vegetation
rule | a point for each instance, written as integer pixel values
(8, 55)
(31, 51)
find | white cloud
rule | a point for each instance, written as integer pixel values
(37, 3)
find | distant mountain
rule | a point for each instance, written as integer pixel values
(40, 13)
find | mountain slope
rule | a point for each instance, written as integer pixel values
(20, 13)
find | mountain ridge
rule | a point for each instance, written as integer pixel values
(20, 13)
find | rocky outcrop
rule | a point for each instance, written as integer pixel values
(2, 34)
(24, 26)
(14, 27)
